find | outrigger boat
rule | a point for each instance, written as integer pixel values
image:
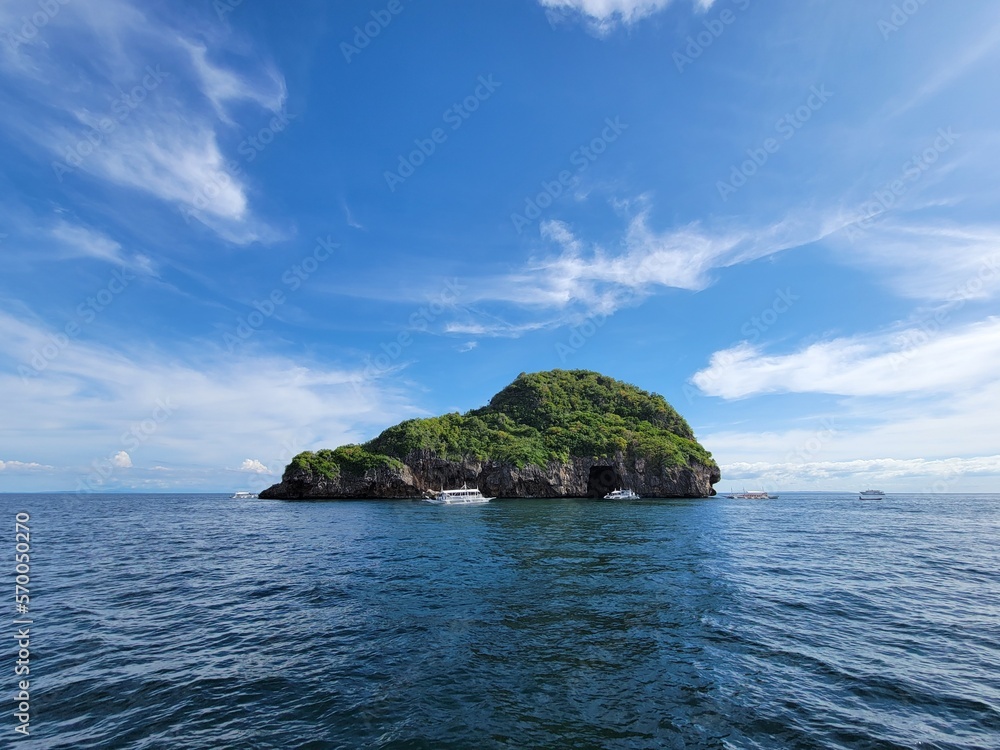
(751, 495)
(871, 495)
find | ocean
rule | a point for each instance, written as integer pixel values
(812, 621)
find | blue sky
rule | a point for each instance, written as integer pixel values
(230, 231)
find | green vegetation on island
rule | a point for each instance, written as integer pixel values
(540, 418)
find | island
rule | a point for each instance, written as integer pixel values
(559, 433)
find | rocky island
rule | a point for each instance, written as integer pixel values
(560, 433)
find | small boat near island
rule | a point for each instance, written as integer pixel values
(464, 496)
(751, 495)
(622, 495)
(241, 495)
(871, 495)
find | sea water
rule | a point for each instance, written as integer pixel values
(810, 621)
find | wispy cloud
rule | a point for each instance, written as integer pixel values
(151, 113)
(584, 278)
(928, 260)
(955, 66)
(13, 466)
(80, 241)
(221, 85)
(603, 15)
(490, 329)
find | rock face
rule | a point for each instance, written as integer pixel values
(423, 472)
(650, 450)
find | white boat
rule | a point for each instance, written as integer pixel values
(751, 495)
(240, 495)
(464, 496)
(622, 495)
(871, 495)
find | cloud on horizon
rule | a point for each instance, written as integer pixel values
(930, 475)
(137, 407)
(22, 466)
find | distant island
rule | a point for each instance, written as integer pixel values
(560, 433)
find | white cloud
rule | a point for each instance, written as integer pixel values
(947, 431)
(221, 86)
(890, 468)
(943, 76)
(927, 261)
(121, 460)
(21, 466)
(594, 279)
(90, 402)
(153, 104)
(492, 329)
(913, 474)
(82, 241)
(914, 360)
(253, 466)
(603, 15)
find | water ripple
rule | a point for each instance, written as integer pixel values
(811, 621)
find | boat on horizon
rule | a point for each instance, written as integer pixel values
(464, 496)
(622, 495)
(241, 495)
(871, 495)
(751, 495)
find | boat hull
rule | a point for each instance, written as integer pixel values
(464, 501)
